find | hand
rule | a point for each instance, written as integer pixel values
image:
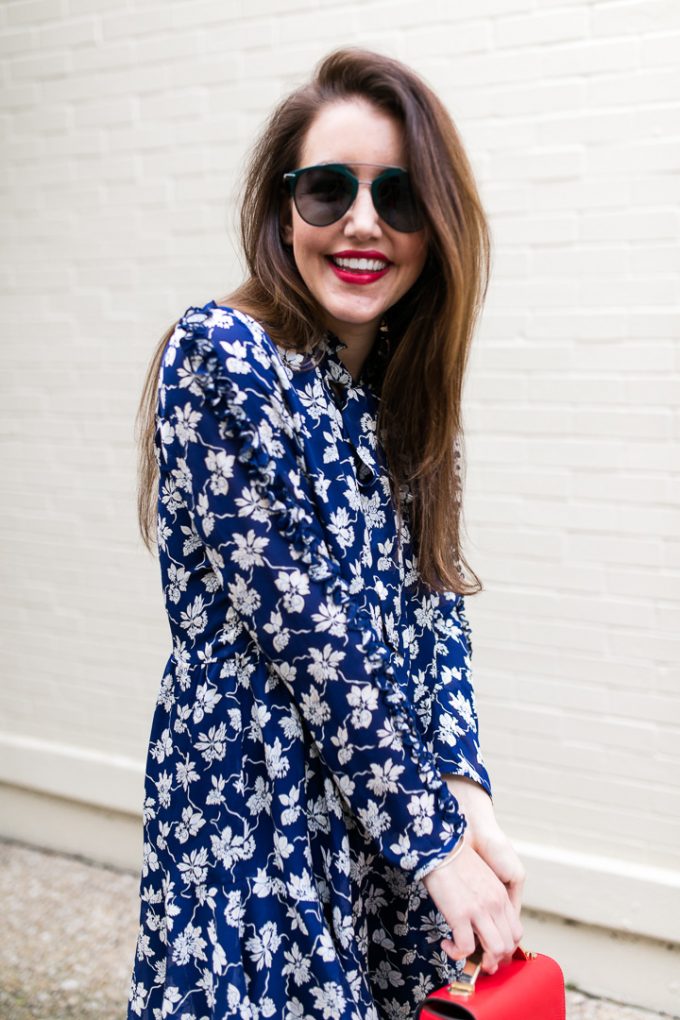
(474, 901)
(486, 836)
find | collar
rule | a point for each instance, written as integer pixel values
(372, 371)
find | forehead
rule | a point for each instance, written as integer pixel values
(353, 131)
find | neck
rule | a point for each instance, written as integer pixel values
(359, 338)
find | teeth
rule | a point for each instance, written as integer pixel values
(367, 265)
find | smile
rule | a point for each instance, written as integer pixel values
(363, 265)
(357, 270)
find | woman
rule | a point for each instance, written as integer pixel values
(304, 857)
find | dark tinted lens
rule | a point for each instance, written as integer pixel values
(322, 196)
(395, 203)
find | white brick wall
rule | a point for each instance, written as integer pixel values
(123, 131)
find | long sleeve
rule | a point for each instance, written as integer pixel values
(232, 446)
(454, 720)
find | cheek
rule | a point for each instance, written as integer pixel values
(415, 256)
(308, 242)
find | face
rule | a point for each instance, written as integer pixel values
(349, 132)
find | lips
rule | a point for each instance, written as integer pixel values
(359, 266)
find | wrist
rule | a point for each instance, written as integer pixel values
(451, 856)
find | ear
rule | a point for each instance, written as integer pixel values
(285, 221)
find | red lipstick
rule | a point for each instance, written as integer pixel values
(358, 276)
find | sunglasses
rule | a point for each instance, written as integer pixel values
(323, 194)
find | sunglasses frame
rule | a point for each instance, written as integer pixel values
(292, 177)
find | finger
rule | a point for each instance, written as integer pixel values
(449, 948)
(515, 888)
(463, 942)
(514, 923)
(492, 941)
(502, 922)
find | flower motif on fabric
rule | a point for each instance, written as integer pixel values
(314, 695)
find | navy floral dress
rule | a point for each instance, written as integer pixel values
(315, 694)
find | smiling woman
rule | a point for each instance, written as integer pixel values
(318, 814)
(353, 296)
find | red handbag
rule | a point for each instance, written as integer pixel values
(530, 986)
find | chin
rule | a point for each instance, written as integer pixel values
(355, 316)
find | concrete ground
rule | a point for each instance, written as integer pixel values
(67, 941)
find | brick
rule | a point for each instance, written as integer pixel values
(548, 421)
(650, 156)
(586, 125)
(635, 17)
(660, 48)
(642, 224)
(446, 11)
(632, 425)
(488, 387)
(484, 448)
(33, 12)
(23, 41)
(651, 456)
(659, 585)
(208, 12)
(652, 122)
(543, 27)
(69, 34)
(537, 229)
(646, 86)
(79, 7)
(174, 48)
(591, 56)
(493, 68)
(572, 324)
(18, 96)
(657, 289)
(129, 25)
(77, 87)
(662, 258)
(536, 164)
(577, 389)
(39, 68)
(552, 97)
(629, 488)
(525, 482)
(92, 60)
(119, 110)
(608, 548)
(239, 36)
(607, 517)
(624, 357)
(436, 40)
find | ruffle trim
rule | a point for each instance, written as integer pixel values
(461, 613)
(292, 522)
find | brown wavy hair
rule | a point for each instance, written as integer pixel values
(430, 328)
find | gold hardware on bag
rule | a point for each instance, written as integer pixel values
(465, 983)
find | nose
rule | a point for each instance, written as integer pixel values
(362, 218)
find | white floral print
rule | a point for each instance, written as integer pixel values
(315, 694)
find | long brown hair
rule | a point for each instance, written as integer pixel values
(431, 327)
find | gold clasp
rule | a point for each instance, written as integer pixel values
(465, 983)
